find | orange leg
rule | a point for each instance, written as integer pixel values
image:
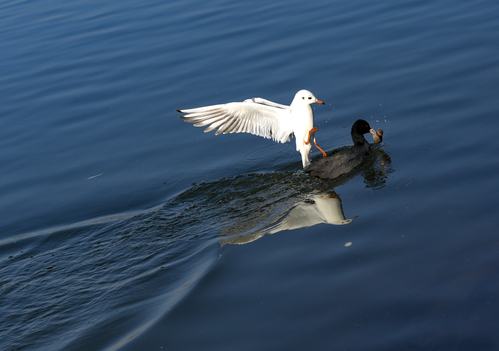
(310, 133)
(324, 153)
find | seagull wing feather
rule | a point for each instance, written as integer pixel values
(254, 116)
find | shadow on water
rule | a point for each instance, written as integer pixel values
(106, 282)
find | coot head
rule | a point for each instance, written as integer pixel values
(359, 128)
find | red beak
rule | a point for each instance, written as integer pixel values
(320, 102)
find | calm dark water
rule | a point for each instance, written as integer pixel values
(124, 228)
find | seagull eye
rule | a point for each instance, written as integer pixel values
(310, 98)
(303, 97)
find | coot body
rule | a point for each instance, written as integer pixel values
(344, 160)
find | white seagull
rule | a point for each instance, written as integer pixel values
(264, 118)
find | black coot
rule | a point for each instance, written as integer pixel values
(344, 160)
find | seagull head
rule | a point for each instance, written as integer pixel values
(305, 96)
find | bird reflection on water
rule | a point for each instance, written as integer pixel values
(284, 201)
(314, 209)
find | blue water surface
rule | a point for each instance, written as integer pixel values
(123, 228)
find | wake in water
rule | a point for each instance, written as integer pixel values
(101, 284)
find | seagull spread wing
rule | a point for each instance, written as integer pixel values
(255, 116)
